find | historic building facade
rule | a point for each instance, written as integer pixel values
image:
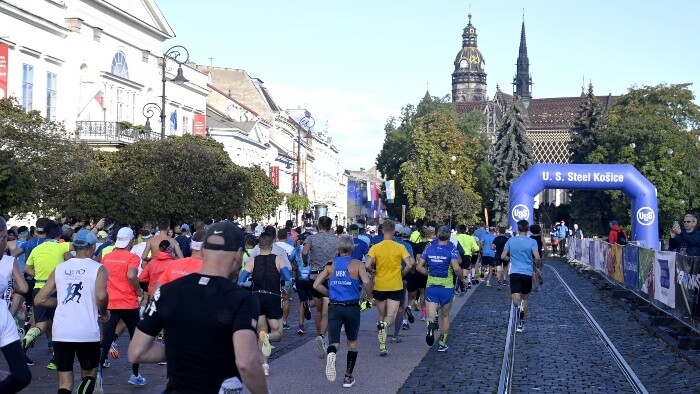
(548, 120)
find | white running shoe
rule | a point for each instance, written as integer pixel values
(321, 346)
(330, 367)
(266, 369)
(266, 347)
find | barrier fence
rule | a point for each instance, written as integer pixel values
(669, 280)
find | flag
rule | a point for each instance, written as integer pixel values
(369, 191)
(100, 98)
(486, 216)
(351, 190)
(173, 120)
(375, 191)
(389, 185)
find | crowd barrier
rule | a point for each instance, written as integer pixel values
(669, 280)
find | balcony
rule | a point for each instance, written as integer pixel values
(111, 133)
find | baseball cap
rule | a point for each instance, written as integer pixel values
(124, 235)
(398, 228)
(406, 232)
(84, 238)
(234, 238)
(102, 234)
(22, 230)
(185, 227)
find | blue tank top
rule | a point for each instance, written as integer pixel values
(343, 287)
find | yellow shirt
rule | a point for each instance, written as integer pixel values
(415, 237)
(388, 256)
(44, 258)
(468, 243)
(110, 248)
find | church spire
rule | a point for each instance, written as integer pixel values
(522, 81)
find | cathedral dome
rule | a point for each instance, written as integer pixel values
(469, 59)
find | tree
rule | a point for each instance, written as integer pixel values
(15, 183)
(584, 133)
(297, 203)
(450, 204)
(512, 157)
(655, 129)
(261, 195)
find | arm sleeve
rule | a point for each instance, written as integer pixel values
(286, 274)
(247, 314)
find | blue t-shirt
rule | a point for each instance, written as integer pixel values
(360, 250)
(488, 241)
(459, 247)
(438, 259)
(365, 237)
(30, 245)
(21, 259)
(520, 248)
(479, 233)
(562, 232)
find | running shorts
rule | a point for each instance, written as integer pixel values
(520, 283)
(415, 281)
(395, 295)
(64, 354)
(270, 305)
(304, 290)
(343, 315)
(439, 294)
(315, 293)
(42, 314)
(488, 261)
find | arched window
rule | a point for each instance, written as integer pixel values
(119, 66)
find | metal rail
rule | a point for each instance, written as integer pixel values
(631, 377)
(506, 379)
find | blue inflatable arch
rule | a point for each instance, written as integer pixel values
(622, 177)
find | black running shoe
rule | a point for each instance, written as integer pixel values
(430, 336)
(28, 360)
(307, 311)
(409, 315)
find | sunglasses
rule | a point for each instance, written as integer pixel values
(687, 221)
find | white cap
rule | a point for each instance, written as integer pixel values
(124, 235)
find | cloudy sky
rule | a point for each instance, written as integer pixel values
(355, 64)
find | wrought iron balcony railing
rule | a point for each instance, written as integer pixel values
(111, 132)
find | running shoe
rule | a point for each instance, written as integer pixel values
(499, 286)
(286, 326)
(348, 382)
(330, 367)
(307, 311)
(382, 349)
(321, 346)
(51, 365)
(396, 339)
(163, 363)
(106, 364)
(28, 360)
(416, 305)
(422, 317)
(28, 340)
(442, 347)
(381, 334)
(409, 315)
(266, 369)
(137, 380)
(405, 326)
(266, 347)
(430, 336)
(488, 283)
(113, 351)
(301, 330)
(520, 326)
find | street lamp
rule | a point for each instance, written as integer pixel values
(176, 53)
(306, 122)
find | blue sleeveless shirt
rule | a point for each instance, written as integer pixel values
(342, 287)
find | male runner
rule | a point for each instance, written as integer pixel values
(302, 272)
(80, 285)
(470, 258)
(206, 302)
(488, 254)
(521, 251)
(440, 262)
(152, 246)
(189, 265)
(501, 265)
(282, 237)
(385, 260)
(345, 276)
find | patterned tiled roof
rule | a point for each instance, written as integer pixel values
(558, 113)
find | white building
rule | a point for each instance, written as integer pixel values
(93, 65)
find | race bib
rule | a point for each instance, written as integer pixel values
(231, 386)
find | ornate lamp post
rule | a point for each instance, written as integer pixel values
(179, 55)
(307, 122)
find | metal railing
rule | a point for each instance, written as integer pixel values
(506, 379)
(111, 132)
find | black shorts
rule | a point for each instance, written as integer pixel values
(28, 299)
(520, 283)
(415, 281)
(395, 295)
(501, 262)
(488, 261)
(270, 305)
(42, 314)
(343, 315)
(64, 354)
(304, 288)
(465, 261)
(315, 293)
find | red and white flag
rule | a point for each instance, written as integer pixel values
(100, 98)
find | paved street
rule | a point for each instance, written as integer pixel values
(558, 352)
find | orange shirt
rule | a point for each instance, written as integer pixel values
(154, 269)
(179, 268)
(122, 294)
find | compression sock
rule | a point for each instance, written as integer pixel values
(352, 358)
(443, 339)
(87, 385)
(332, 349)
(473, 273)
(135, 369)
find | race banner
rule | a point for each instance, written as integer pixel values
(631, 266)
(617, 270)
(603, 258)
(646, 271)
(688, 285)
(665, 278)
(592, 254)
(578, 250)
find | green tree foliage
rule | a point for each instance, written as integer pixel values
(450, 204)
(512, 157)
(261, 195)
(297, 203)
(46, 154)
(655, 129)
(584, 134)
(15, 183)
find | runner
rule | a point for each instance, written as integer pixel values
(225, 353)
(522, 253)
(417, 281)
(155, 267)
(189, 265)
(470, 257)
(282, 236)
(302, 276)
(265, 272)
(488, 254)
(440, 262)
(345, 276)
(153, 244)
(19, 376)
(319, 250)
(404, 315)
(501, 265)
(80, 285)
(41, 263)
(385, 260)
(123, 289)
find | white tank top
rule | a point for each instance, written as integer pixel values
(76, 314)
(6, 264)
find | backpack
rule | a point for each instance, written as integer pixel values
(621, 238)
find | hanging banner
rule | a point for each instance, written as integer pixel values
(4, 53)
(665, 278)
(646, 271)
(352, 186)
(688, 285)
(390, 192)
(631, 266)
(369, 191)
(375, 191)
(275, 176)
(199, 125)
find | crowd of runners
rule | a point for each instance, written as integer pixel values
(83, 285)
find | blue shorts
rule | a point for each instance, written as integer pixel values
(439, 295)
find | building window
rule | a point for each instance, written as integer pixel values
(119, 66)
(51, 96)
(27, 86)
